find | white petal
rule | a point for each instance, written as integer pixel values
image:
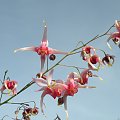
(49, 77)
(25, 49)
(65, 106)
(43, 57)
(40, 82)
(54, 51)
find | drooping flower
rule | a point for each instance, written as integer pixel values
(108, 59)
(72, 85)
(28, 111)
(83, 78)
(42, 50)
(51, 87)
(72, 89)
(94, 60)
(87, 51)
(115, 37)
(10, 85)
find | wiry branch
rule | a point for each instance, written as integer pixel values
(71, 52)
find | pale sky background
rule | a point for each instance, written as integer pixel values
(21, 24)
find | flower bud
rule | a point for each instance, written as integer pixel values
(52, 57)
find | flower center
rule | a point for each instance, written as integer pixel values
(11, 85)
(42, 50)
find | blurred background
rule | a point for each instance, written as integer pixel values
(68, 21)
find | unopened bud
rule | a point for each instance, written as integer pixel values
(52, 57)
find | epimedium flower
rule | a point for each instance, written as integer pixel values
(87, 51)
(28, 111)
(94, 59)
(115, 37)
(42, 50)
(72, 89)
(108, 60)
(54, 88)
(9, 85)
(83, 77)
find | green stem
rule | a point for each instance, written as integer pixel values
(29, 84)
(24, 88)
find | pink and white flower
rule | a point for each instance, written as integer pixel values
(51, 87)
(9, 85)
(42, 50)
(87, 52)
(115, 37)
(93, 60)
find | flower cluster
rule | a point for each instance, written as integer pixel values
(26, 111)
(61, 89)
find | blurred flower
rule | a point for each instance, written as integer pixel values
(72, 88)
(9, 85)
(94, 60)
(108, 59)
(28, 111)
(43, 50)
(48, 86)
(87, 51)
(83, 77)
(115, 37)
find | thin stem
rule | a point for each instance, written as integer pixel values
(71, 66)
(79, 43)
(57, 118)
(47, 62)
(24, 88)
(101, 51)
(24, 103)
(29, 84)
(1, 96)
(5, 75)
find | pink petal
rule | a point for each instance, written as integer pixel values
(3, 88)
(117, 25)
(14, 91)
(49, 77)
(40, 82)
(54, 51)
(43, 57)
(70, 76)
(26, 49)
(41, 101)
(65, 106)
(91, 66)
(44, 41)
(84, 74)
(43, 88)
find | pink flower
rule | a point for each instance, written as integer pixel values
(52, 87)
(72, 88)
(94, 60)
(83, 78)
(43, 50)
(116, 35)
(87, 51)
(9, 85)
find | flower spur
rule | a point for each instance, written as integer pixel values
(42, 50)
